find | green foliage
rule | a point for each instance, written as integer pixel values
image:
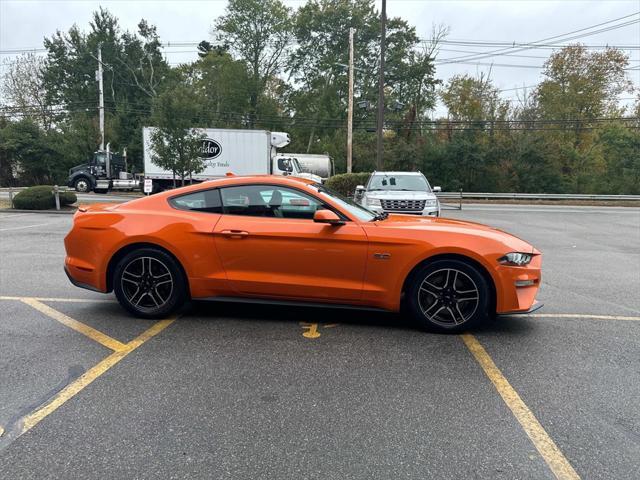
(41, 197)
(278, 69)
(176, 146)
(346, 183)
(258, 31)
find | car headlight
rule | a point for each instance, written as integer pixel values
(516, 258)
(430, 203)
(373, 202)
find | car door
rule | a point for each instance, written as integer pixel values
(269, 245)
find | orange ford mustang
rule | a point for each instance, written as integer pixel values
(280, 239)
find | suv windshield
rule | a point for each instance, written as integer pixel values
(349, 205)
(415, 183)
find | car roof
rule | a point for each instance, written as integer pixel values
(396, 173)
(221, 182)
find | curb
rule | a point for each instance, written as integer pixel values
(55, 212)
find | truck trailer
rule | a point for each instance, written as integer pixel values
(241, 152)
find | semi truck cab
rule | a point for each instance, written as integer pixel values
(105, 171)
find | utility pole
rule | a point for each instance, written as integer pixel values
(101, 93)
(350, 107)
(383, 27)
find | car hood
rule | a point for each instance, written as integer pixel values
(400, 194)
(449, 225)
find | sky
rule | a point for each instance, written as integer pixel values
(24, 24)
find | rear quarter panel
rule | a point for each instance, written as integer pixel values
(97, 236)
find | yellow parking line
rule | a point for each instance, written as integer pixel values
(90, 375)
(577, 315)
(556, 461)
(80, 327)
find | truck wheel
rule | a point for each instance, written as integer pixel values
(82, 185)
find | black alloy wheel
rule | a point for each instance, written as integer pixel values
(448, 296)
(149, 283)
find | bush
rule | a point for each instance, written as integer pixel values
(41, 198)
(346, 183)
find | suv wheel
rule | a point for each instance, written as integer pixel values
(448, 296)
(149, 283)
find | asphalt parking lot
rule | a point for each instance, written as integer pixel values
(236, 391)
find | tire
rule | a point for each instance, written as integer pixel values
(448, 296)
(82, 185)
(149, 283)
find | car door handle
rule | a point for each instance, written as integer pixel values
(234, 233)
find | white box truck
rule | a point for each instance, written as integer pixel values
(318, 164)
(241, 152)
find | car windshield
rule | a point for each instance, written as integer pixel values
(415, 183)
(349, 205)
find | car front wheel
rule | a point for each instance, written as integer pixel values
(448, 296)
(149, 283)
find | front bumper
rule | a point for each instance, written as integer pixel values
(517, 287)
(536, 306)
(427, 212)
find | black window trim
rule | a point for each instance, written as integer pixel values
(326, 206)
(171, 201)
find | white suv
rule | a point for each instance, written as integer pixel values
(399, 192)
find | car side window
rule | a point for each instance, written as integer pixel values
(202, 201)
(269, 201)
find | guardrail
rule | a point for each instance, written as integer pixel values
(56, 190)
(535, 196)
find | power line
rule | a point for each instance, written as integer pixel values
(564, 37)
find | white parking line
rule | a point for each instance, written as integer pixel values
(13, 215)
(25, 226)
(578, 315)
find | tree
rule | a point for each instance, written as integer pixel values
(258, 32)
(221, 85)
(317, 65)
(582, 85)
(471, 99)
(133, 72)
(177, 147)
(25, 89)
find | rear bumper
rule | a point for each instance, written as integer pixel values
(80, 284)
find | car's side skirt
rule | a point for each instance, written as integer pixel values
(290, 303)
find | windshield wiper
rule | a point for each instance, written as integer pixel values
(380, 216)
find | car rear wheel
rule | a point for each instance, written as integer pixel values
(448, 296)
(149, 283)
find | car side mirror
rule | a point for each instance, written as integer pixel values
(327, 216)
(437, 189)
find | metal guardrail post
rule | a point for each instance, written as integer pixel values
(56, 194)
(460, 208)
(10, 197)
